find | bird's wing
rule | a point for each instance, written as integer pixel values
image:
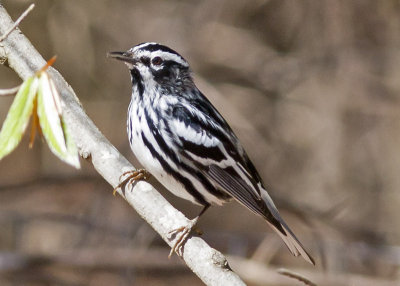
(206, 140)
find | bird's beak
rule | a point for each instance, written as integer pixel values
(126, 57)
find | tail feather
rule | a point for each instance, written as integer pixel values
(292, 243)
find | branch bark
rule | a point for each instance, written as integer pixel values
(207, 263)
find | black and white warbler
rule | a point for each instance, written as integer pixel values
(185, 143)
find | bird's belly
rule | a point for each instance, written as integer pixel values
(152, 165)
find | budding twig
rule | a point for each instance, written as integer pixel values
(16, 23)
(9, 91)
(47, 65)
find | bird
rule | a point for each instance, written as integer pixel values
(184, 142)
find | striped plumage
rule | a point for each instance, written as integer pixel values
(184, 142)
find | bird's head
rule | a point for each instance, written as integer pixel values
(152, 62)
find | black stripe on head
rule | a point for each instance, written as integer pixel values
(157, 47)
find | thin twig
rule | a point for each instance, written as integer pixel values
(9, 91)
(297, 276)
(23, 15)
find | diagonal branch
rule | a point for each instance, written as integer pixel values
(207, 263)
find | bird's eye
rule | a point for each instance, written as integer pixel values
(157, 61)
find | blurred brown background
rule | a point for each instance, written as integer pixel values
(310, 87)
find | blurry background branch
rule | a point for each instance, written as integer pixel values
(9, 91)
(256, 273)
(259, 274)
(209, 264)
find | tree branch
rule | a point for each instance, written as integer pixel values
(9, 91)
(207, 263)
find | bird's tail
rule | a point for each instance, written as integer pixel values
(291, 241)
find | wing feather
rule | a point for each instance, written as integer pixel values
(207, 142)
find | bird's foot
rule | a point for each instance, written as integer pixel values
(132, 176)
(182, 234)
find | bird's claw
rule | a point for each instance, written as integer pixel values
(182, 234)
(133, 175)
